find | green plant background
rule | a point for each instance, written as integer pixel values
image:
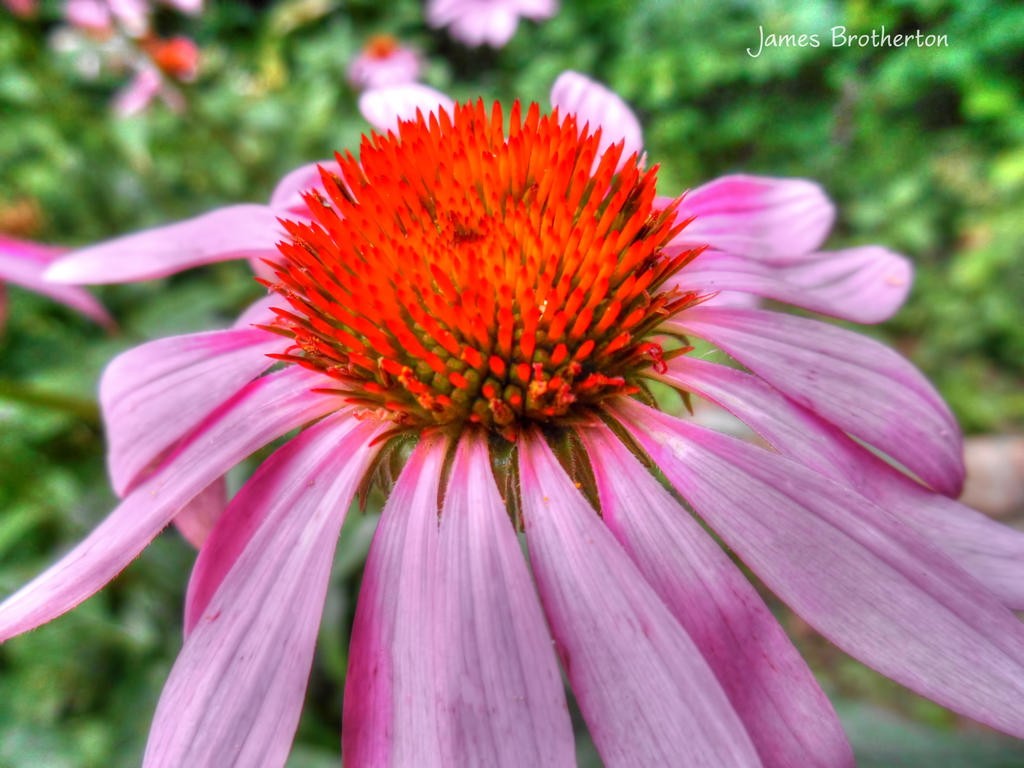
(923, 150)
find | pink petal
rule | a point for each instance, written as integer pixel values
(644, 688)
(191, 7)
(438, 13)
(730, 299)
(787, 715)
(491, 23)
(369, 70)
(138, 93)
(602, 108)
(88, 15)
(773, 219)
(854, 382)
(391, 710)
(991, 552)
(474, 22)
(384, 107)
(133, 15)
(24, 264)
(237, 688)
(248, 514)
(863, 285)
(259, 312)
(849, 569)
(451, 660)
(234, 232)
(287, 195)
(196, 519)
(791, 429)
(262, 412)
(537, 9)
(498, 676)
(156, 393)
(29, 251)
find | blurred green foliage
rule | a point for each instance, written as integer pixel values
(923, 150)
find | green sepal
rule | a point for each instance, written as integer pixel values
(446, 473)
(386, 466)
(504, 457)
(568, 447)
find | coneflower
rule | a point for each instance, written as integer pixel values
(491, 22)
(488, 306)
(383, 61)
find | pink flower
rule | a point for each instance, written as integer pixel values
(91, 16)
(115, 35)
(502, 304)
(147, 84)
(131, 15)
(188, 7)
(475, 22)
(137, 95)
(383, 62)
(23, 263)
(25, 9)
(386, 106)
(177, 57)
(98, 17)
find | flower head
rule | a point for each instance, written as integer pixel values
(116, 35)
(456, 266)
(176, 58)
(529, 302)
(383, 62)
(475, 22)
(91, 16)
(26, 9)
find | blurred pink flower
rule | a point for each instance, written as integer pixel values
(503, 303)
(177, 58)
(115, 35)
(23, 263)
(134, 97)
(91, 16)
(131, 15)
(384, 61)
(188, 7)
(22, 8)
(385, 106)
(475, 22)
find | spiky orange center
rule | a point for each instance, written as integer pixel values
(456, 275)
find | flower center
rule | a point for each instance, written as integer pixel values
(177, 57)
(381, 46)
(454, 275)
